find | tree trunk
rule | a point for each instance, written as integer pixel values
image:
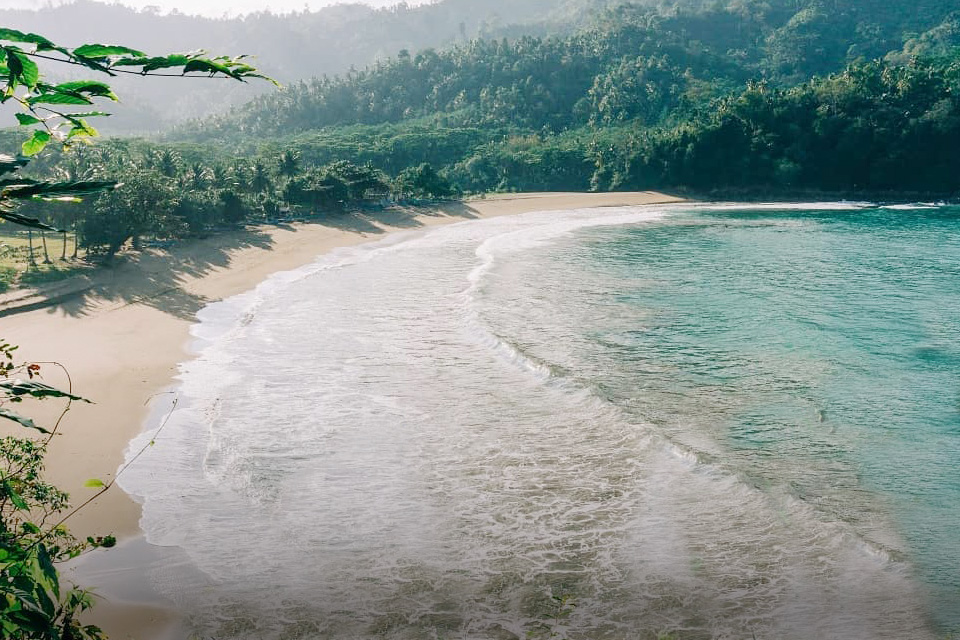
(43, 240)
(63, 253)
(33, 261)
(76, 240)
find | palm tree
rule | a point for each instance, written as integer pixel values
(220, 176)
(33, 260)
(260, 181)
(79, 163)
(43, 239)
(289, 164)
(200, 176)
(167, 162)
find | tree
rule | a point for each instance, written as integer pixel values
(288, 165)
(317, 189)
(60, 112)
(143, 204)
(260, 180)
(422, 182)
(358, 180)
(33, 603)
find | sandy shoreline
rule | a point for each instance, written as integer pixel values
(122, 335)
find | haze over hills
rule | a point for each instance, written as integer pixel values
(287, 47)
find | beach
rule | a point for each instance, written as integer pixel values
(122, 334)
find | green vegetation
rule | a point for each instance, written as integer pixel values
(7, 277)
(171, 192)
(26, 258)
(34, 604)
(743, 95)
(329, 41)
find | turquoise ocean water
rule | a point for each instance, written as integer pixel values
(714, 421)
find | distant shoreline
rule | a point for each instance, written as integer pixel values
(772, 194)
(122, 334)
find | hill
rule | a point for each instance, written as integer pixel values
(288, 47)
(642, 96)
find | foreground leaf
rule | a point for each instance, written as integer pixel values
(52, 189)
(15, 497)
(36, 143)
(23, 420)
(26, 119)
(12, 35)
(36, 390)
(33, 223)
(105, 50)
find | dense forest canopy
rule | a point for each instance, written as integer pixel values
(633, 61)
(829, 94)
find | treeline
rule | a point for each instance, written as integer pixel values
(167, 193)
(876, 126)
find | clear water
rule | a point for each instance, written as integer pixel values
(720, 422)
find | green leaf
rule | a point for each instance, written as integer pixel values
(89, 87)
(88, 114)
(152, 64)
(59, 98)
(80, 127)
(49, 574)
(26, 422)
(15, 498)
(36, 389)
(33, 223)
(209, 66)
(94, 483)
(14, 68)
(36, 143)
(75, 92)
(29, 71)
(26, 119)
(55, 189)
(12, 35)
(105, 50)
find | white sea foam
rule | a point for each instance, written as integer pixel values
(365, 449)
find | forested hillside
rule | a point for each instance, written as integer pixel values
(287, 47)
(632, 62)
(834, 95)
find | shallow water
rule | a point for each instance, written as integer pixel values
(713, 421)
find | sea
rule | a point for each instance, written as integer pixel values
(687, 421)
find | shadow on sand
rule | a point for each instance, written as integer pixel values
(157, 278)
